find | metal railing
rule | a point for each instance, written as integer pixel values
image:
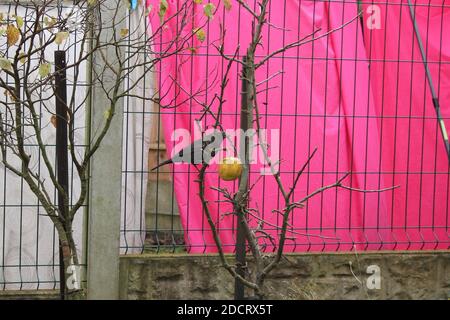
(398, 101)
(153, 220)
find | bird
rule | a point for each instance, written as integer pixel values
(200, 151)
(133, 4)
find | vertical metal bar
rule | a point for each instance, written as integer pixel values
(61, 146)
(239, 289)
(430, 81)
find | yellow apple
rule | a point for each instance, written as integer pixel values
(230, 169)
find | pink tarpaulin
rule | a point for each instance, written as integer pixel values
(319, 96)
(412, 145)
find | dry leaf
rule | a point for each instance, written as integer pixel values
(60, 37)
(22, 57)
(148, 10)
(50, 22)
(163, 6)
(192, 49)
(19, 22)
(44, 69)
(123, 32)
(200, 34)
(9, 95)
(209, 9)
(12, 35)
(5, 64)
(227, 4)
(53, 120)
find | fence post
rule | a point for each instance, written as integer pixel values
(105, 169)
(62, 166)
(241, 244)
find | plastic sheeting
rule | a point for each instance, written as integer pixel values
(327, 96)
(413, 153)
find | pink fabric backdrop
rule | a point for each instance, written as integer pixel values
(402, 97)
(326, 103)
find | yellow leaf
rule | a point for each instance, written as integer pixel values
(61, 36)
(192, 49)
(5, 64)
(92, 2)
(107, 114)
(163, 6)
(22, 57)
(19, 21)
(227, 4)
(2, 17)
(148, 10)
(44, 69)
(198, 1)
(12, 35)
(49, 22)
(123, 32)
(200, 34)
(209, 9)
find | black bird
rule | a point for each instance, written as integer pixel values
(198, 152)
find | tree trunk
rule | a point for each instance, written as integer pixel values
(70, 258)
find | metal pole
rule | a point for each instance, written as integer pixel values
(62, 166)
(239, 288)
(430, 81)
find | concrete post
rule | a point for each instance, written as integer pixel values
(105, 168)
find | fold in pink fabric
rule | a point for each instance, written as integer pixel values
(324, 94)
(413, 153)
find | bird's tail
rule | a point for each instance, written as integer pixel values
(162, 164)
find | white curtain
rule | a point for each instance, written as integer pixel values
(136, 140)
(29, 256)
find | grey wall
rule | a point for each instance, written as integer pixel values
(404, 275)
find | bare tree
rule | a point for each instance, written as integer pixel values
(108, 49)
(106, 54)
(262, 263)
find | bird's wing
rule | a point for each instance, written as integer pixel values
(201, 149)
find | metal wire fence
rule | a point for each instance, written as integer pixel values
(392, 126)
(29, 248)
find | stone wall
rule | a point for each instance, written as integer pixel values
(29, 295)
(403, 275)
